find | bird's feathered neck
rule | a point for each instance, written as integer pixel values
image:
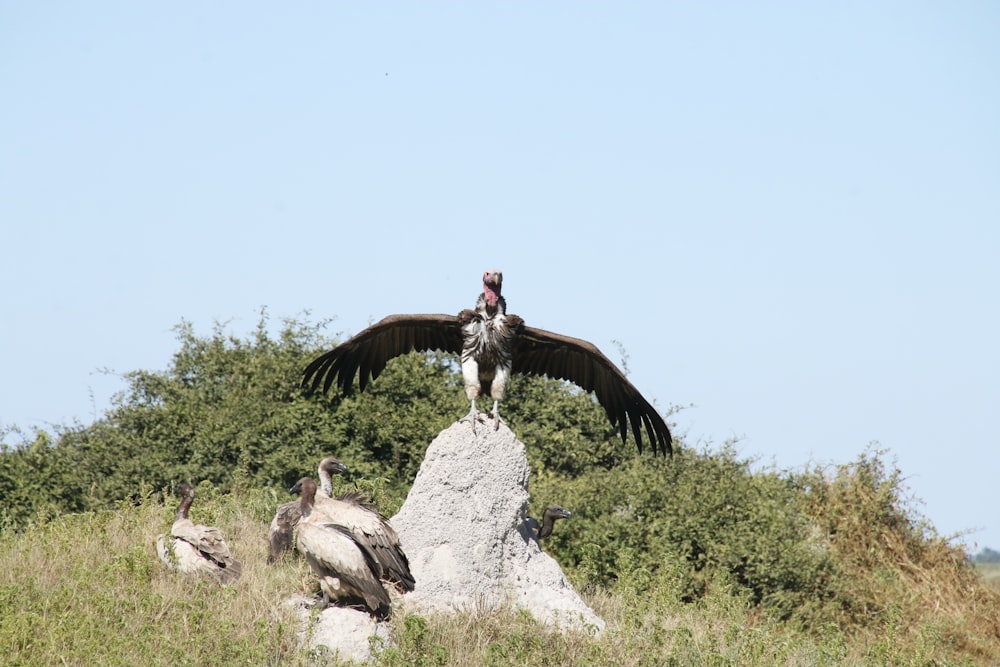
(185, 506)
(308, 498)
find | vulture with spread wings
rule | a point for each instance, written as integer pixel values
(493, 344)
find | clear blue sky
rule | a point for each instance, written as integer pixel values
(787, 213)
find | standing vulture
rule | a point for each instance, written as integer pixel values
(352, 511)
(346, 567)
(195, 549)
(492, 344)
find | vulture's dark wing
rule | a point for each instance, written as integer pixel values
(367, 352)
(281, 534)
(540, 352)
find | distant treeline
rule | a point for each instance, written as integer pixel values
(986, 555)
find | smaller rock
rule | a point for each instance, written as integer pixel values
(344, 632)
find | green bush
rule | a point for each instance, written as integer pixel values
(699, 517)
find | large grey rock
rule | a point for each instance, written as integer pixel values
(464, 528)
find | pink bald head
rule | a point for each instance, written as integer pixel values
(492, 282)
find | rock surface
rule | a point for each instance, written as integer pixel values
(344, 632)
(464, 528)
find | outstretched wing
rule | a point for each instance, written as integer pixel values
(540, 352)
(366, 353)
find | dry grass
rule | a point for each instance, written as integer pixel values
(990, 572)
(897, 584)
(88, 590)
(720, 630)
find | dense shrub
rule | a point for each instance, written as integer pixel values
(225, 409)
(701, 517)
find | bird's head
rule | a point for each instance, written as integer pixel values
(332, 466)
(492, 282)
(305, 486)
(557, 512)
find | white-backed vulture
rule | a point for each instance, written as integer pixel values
(353, 511)
(346, 567)
(369, 527)
(492, 345)
(281, 533)
(195, 549)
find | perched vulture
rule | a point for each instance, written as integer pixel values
(492, 345)
(552, 512)
(352, 511)
(346, 567)
(195, 549)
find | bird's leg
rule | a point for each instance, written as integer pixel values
(470, 377)
(497, 389)
(471, 417)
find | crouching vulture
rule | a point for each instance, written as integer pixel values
(195, 549)
(493, 344)
(346, 567)
(352, 511)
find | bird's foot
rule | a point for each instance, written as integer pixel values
(322, 603)
(496, 415)
(471, 418)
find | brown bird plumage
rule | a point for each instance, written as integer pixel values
(492, 345)
(281, 533)
(549, 517)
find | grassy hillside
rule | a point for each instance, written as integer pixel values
(697, 559)
(87, 589)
